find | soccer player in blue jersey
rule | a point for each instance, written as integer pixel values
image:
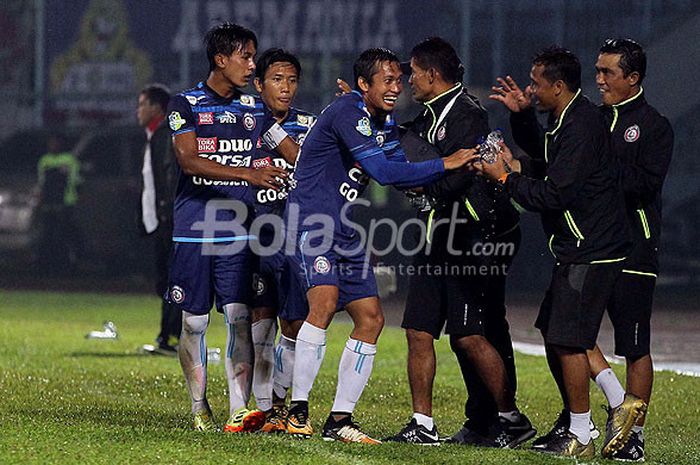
(276, 79)
(215, 130)
(355, 138)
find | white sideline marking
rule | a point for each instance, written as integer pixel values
(681, 368)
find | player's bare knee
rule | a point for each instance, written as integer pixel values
(263, 313)
(374, 318)
(418, 339)
(290, 329)
(473, 343)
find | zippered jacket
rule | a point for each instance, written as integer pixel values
(451, 121)
(574, 182)
(643, 141)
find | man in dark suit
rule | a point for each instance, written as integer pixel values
(156, 206)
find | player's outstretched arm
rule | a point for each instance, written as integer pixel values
(409, 175)
(185, 145)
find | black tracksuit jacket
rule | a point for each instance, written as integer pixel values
(452, 121)
(574, 182)
(643, 141)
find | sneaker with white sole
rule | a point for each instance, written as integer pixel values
(413, 433)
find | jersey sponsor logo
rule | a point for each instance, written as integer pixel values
(441, 133)
(235, 145)
(199, 181)
(357, 176)
(205, 118)
(175, 121)
(363, 127)
(262, 163)
(207, 144)
(226, 118)
(177, 294)
(632, 133)
(248, 121)
(264, 196)
(192, 99)
(248, 100)
(305, 120)
(322, 265)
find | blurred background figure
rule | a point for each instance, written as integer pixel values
(156, 207)
(58, 240)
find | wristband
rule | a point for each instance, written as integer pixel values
(274, 136)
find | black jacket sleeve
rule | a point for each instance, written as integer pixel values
(528, 133)
(566, 173)
(642, 178)
(465, 130)
(164, 172)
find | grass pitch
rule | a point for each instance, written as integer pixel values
(66, 399)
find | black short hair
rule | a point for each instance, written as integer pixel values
(369, 61)
(157, 93)
(560, 64)
(632, 56)
(275, 55)
(227, 38)
(436, 52)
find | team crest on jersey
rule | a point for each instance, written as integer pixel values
(632, 133)
(177, 294)
(363, 127)
(441, 133)
(304, 120)
(192, 99)
(262, 163)
(248, 101)
(322, 265)
(205, 118)
(207, 144)
(259, 285)
(226, 118)
(175, 121)
(249, 121)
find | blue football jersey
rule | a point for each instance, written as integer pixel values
(227, 131)
(296, 125)
(329, 172)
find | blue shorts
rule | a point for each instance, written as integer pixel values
(292, 297)
(196, 280)
(349, 271)
(266, 278)
(274, 287)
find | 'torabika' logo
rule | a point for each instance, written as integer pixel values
(206, 144)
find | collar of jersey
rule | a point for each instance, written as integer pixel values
(636, 98)
(560, 120)
(236, 93)
(436, 99)
(361, 103)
